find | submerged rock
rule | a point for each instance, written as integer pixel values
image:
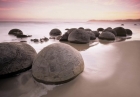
(57, 63)
(55, 32)
(15, 32)
(107, 36)
(79, 36)
(15, 57)
(120, 31)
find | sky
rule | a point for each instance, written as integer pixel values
(69, 9)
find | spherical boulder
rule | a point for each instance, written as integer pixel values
(79, 36)
(96, 33)
(55, 32)
(15, 32)
(128, 32)
(107, 36)
(15, 57)
(120, 31)
(57, 63)
(64, 37)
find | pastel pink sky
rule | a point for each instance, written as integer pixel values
(69, 9)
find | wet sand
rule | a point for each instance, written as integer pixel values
(110, 71)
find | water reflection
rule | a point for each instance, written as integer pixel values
(82, 47)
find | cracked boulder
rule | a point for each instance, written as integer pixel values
(57, 63)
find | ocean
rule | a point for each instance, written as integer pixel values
(24, 85)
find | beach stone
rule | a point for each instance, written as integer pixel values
(120, 31)
(15, 57)
(100, 29)
(128, 32)
(107, 36)
(87, 29)
(96, 33)
(64, 37)
(111, 30)
(15, 32)
(55, 32)
(92, 35)
(81, 28)
(72, 29)
(57, 63)
(79, 36)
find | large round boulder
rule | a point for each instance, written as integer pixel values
(15, 32)
(107, 36)
(87, 29)
(79, 36)
(128, 32)
(120, 31)
(55, 32)
(57, 63)
(15, 57)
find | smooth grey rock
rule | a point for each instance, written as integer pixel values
(15, 57)
(107, 36)
(82, 28)
(120, 31)
(57, 63)
(15, 32)
(55, 32)
(79, 36)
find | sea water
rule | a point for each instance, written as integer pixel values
(23, 85)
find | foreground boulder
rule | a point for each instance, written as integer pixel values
(79, 36)
(120, 31)
(15, 57)
(15, 32)
(107, 36)
(55, 32)
(57, 63)
(128, 32)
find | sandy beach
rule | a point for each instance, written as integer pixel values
(111, 71)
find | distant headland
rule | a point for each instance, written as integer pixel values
(123, 20)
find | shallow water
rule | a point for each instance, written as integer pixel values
(100, 58)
